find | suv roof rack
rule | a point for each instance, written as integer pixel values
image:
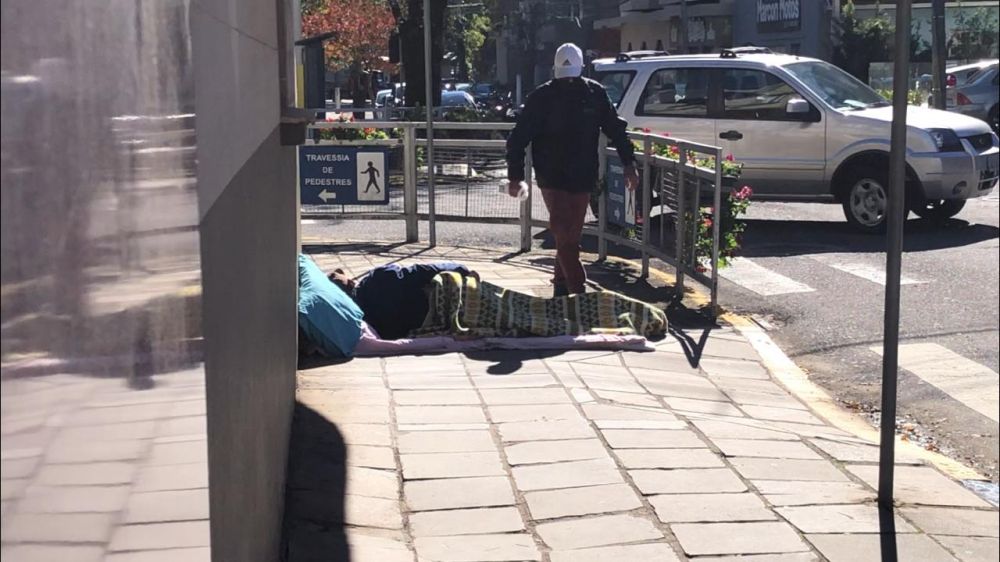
(733, 52)
(632, 55)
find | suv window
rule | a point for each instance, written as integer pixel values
(616, 83)
(754, 94)
(675, 92)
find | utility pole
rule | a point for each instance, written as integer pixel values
(684, 27)
(938, 52)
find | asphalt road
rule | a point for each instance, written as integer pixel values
(818, 287)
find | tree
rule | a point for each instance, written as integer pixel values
(410, 19)
(362, 27)
(974, 35)
(467, 32)
(862, 41)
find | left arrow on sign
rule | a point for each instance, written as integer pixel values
(326, 196)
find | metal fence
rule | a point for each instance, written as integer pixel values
(464, 180)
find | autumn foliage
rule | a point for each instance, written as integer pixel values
(363, 28)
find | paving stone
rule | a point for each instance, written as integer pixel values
(117, 414)
(630, 413)
(618, 384)
(73, 499)
(354, 413)
(740, 429)
(804, 430)
(702, 406)
(788, 469)
(58, 527)
(365, 511)
(172, 477)
(838, 519)
(507, 365)
(568, 379)
(582, 395)
(972, 549)
(658, 551)
(445, 441)
(108, 432)
(710, 508)
(450, 465)
(199, 554)
(652, 439)
(371, 457)
(367, 548)
(171, 505)
(466, 522)
(189, 425)
(686, 481)
(854, 548)
(668, 458)
(318, 396)
(730, 349)
(455, 493)
(365, 434)
(554, 451)
(19, 468)
(414, 427)
(50, 552)
(373, 483)
(439, 414)
(660, 361)
(427, 383)
(435, 397)
(590, 500)
(534, 412)
(632, 398)
(921, 485)
(160, 535)
(764, 398)
(680, 386)
(63, 451)
(179, 453)
(518, 380)
(733, 368)
(11, 488)
(597, 531)
(88, 474)
(640, 424)
(566, 475)
(858, 452)
(189, 408)
(477, 548)
(494, 396)
(791, 492)
(763, 448)
(954, 521)
(544, 431)
(606, 371)
(737, 538)
(781, 414)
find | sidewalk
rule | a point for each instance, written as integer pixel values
(694, 451)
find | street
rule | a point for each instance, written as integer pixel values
(818, 287)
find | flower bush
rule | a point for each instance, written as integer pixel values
(734, 206)
(367, 133)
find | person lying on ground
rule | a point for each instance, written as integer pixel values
(454, 301)
(394, 299)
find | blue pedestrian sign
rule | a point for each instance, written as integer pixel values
(621, 201)
(343, 175)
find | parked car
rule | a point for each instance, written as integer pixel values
(385, 98)
(957, 76)
(452, 100)
(979, 97)
(806, 130)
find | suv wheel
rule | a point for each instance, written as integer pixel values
(865, 200)
(937, 209)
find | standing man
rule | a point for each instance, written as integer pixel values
(562, 120)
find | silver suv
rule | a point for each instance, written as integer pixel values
(806, 130)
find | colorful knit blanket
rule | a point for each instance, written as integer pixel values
(467, 308)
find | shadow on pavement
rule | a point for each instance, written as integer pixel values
(315, 490)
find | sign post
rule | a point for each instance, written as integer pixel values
(343, 175)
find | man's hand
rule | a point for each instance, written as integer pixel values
(631, 178)
(513, 188)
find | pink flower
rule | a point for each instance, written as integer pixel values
(665, 134)
(707, 223)
(646, 130)
(730, 158)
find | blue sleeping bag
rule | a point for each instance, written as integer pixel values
(327, 315)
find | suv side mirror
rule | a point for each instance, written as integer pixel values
(797, 106)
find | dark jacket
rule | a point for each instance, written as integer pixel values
(562, 120)
(393, 297)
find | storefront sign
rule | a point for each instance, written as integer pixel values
(775, 16)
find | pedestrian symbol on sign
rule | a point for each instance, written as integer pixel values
(371, 175)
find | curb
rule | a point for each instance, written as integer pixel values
(797, 382)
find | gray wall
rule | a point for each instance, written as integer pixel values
(813, 35)
(247, 199)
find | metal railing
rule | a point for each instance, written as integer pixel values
(468, 172)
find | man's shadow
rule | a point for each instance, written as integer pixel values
(315, 490)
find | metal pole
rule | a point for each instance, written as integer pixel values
(526, 204)
(647, 171)
(684, 27)
(679, 226)
(896, 214)
(716, 220)
(939, 55)
(428, 90)
(602, 206)
(410, 184)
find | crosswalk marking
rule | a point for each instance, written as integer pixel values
(866, 271)
(972, 384)
(761, 280)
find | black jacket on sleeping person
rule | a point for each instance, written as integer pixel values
(393, 297)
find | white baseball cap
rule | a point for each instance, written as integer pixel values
(569, 61)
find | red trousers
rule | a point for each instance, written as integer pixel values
(567, 211)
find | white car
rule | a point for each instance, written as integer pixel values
(806, 130)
